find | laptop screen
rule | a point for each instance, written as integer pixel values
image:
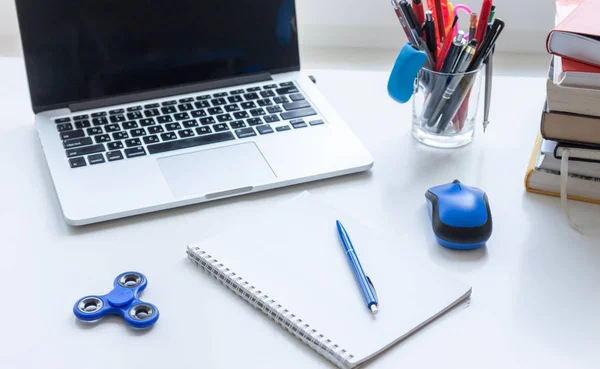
(88, 49)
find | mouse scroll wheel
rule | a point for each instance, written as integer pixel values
(456, 181)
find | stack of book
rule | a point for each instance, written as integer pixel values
(571, 118)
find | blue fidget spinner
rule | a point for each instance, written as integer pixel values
(122, 300)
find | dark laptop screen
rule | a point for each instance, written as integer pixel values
(89, 49)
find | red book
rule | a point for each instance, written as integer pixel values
(577, 36)
(570, 73)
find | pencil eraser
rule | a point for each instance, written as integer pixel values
(402, 79)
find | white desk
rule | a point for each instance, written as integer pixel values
(536, 287)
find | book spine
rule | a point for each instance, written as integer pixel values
(269, 306)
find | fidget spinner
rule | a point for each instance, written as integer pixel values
(122, 300)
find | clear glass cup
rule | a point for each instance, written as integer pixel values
(445, 108)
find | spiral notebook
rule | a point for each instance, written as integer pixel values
(289, 264)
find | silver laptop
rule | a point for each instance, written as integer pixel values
(148, 105)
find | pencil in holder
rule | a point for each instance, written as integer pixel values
(445, 107)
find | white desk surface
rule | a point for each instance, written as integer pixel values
(536, 287)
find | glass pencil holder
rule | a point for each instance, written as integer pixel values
(445, 108)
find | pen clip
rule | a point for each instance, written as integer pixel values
(374, 289)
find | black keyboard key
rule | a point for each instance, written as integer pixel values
(80, 117)
(94, 131)
(85, 150)
(286, 84)
(116, 111)
(264, 129)
(151, 139)
(297, 97)
(169, 103)
(298, 113)
(185, 107)
(219, 101)
(185, 133)
(316, 122)
(130, 125)
(286, 90)
(138, 132)
(168, 110)
(274, 109)
(241, 115)
(156, 129)
(237, 92)
(181, 116)
(83, 124)
(99, 121)
(296, 105)
(251, 96)
(114, 155)
(221, 94)
(147, 122)
(151, 106)
(257, 112)
(237, 124)
(235, 99)
(271, 118)
(253, 89)
(299, 125)
(202, 104)
(112, 128)
(77, 142)
(64, 127)
(164, 119)
(99, 114)
(245, 132)
(254, 121)
(248, 105)
(133, 142)
(231, 108)
(62, 120)
(173, 126)
(215, 111)
(117, 118)
(224, 118)
(152, 113)
(102, 138)
(77, 162)
(207, 120)
(190, 123)
(186, 100)
(295, 121)
(203, 97)
(135, 152)
(221, 127)
(281, 100)
(269, 87)
(120, 135)
(198, 113)
(134, 108)
(267, 93)
(190, 142)
(203, 130)
(96, 159)
(72, 134)
(265, 102)
(283, 128)
(168, 136)
(115, 145)
(134, 115)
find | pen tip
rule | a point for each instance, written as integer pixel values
(374, 309)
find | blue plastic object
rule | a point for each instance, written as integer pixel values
(401, 84)
(460, 216)
(122, 300)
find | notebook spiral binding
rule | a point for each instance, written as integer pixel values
(271, 308)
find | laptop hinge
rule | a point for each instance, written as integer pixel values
(156, 94)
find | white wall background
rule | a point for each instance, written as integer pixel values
(372, 23)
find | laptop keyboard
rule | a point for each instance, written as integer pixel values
(154, 128)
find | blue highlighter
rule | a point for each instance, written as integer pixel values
(460, 216)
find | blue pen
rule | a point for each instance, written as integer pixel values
(364, 282)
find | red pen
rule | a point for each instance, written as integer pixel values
(484, 15)
(439, 17)
(446, 47)
(419, 11)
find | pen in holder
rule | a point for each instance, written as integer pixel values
(445, 107)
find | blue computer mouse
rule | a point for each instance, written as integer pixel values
(460, 215)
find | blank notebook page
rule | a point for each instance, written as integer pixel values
(293, 254)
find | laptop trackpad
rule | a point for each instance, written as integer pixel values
(217, 172)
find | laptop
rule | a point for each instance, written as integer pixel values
(147, 105)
